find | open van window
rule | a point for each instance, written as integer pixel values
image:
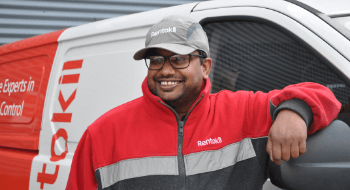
(255, 56)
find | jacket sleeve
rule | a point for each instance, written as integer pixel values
(324, 105)
(315, 103)
(82, 175)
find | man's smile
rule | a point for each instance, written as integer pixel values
(168, 84)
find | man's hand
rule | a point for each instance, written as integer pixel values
(287, 137)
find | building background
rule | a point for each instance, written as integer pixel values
(24, 19)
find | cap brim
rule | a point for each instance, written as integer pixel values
(176, 48)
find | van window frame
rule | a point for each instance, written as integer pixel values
(283, 30)
(327, 19)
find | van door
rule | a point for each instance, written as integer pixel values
(260, 47)
(25, 68)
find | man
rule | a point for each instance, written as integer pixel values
(178, 136)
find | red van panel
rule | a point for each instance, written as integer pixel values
(25, 68)
(15, 168)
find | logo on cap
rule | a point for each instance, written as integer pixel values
(164, 30)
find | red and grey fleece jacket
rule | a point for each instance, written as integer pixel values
(221, 143)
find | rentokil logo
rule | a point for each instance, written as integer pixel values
(210, 141)
(162, 31)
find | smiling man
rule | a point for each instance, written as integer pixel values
(179, 136)
(178, 82)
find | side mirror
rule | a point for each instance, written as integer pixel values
(325, 165)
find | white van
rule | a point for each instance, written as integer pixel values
(53, 86)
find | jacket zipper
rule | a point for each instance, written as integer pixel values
(180, 156)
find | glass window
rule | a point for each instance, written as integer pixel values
(257, 57)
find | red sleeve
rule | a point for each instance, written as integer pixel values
(324, 106)
(82, 174)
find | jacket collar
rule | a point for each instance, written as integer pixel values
(156, 107)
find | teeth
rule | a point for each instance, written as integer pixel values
(168, 83)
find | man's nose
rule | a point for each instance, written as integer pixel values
(168, 69)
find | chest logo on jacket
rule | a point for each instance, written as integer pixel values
(210, 141)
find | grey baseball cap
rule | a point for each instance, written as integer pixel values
(181, 35)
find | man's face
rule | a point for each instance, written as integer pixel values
(176, 85)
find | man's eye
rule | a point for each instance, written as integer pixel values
(179, 59)
(156, 61)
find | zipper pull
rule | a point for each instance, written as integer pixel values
(181, 127)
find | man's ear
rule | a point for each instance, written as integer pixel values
(206, 67)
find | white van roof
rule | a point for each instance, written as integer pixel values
(138, 20)
(330, 8)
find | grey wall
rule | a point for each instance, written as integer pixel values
(23, 19)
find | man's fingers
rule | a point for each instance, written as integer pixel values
(276, 153)
(286, 152)
(302, 147)
(294, 150)
(269, 148)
